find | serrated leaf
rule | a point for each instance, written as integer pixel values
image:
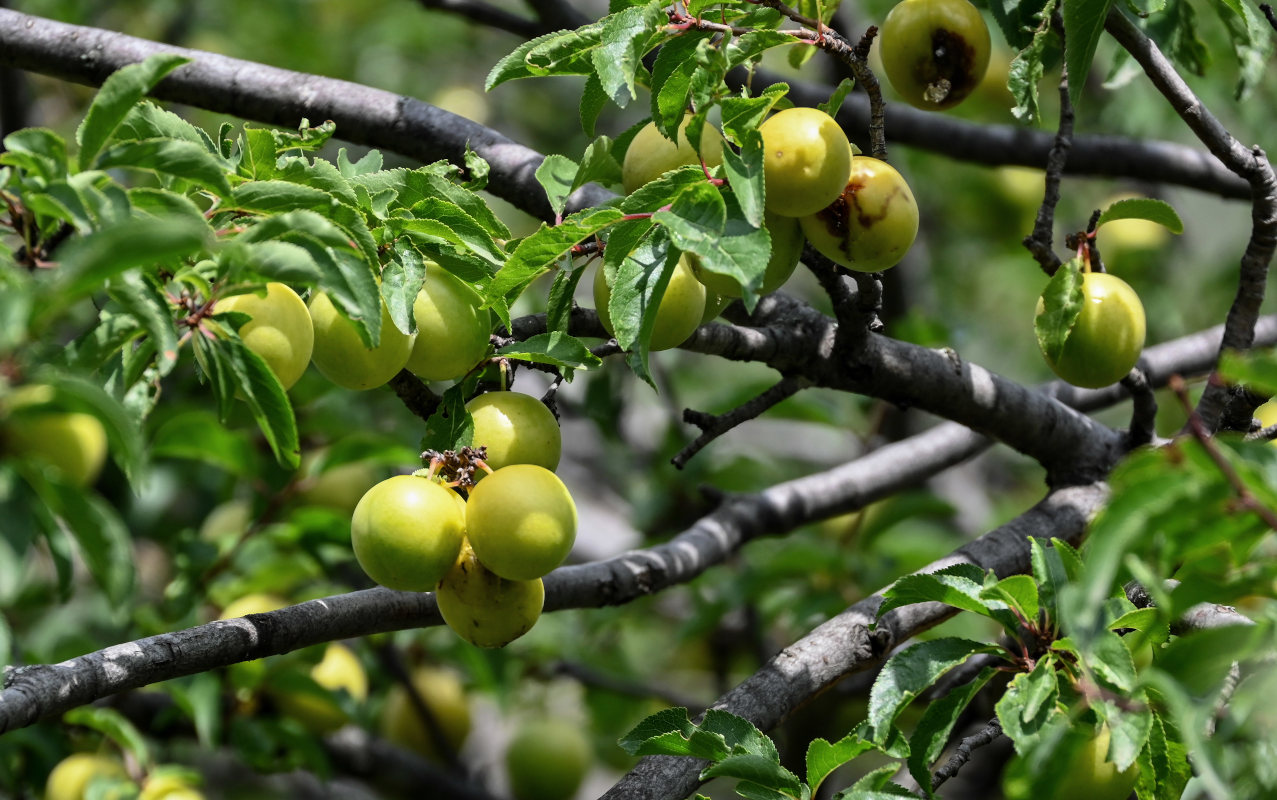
(87, 263)
(558, 53)
(538, 252)
(38, 151)
(119, 93)
(401, 282)
(103, 540)
(556, 348)
(626, 37)
(369, 163)
(450, 427)
(317, 173)
(593, 100)
(823, 758)
(932, 733)
(743, 114)
(244, 372)
(1017, 591)
(1029, 704)
(637, 284)
(1252, 41)
(756, 769)
(908, 673)
(837, 97)
(151, 309)
(1061, 304)
(1083, 26)
(1027, 68)
(114, 726)
(270, 260)
(160, 203)
(959, 586)
(672, 80)
(349, 284)
(740, 734)
(744, 171)
(179, 159)
(1018, 19)
(556, 174)
(1158, 211)
(670, 720)
(146, 120)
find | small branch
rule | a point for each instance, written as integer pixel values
(1263, 434)
(1250, 164)
(713, 427)
(484, 14)
(1268, 14)
(1039, 242)
(1198, 429)
(987, 735)
(415, 394)
(1143, 411)
(857, 312)
(393, 663)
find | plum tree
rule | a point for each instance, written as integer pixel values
(482, 607)
(452, 327)
(341, 356)
(279, 329)
(650, 155)
(444, 696)
(787, 248)
(547, 759)
(873, 222)
(521, 521)
(1108, 336)
(680, 312)
(935, 52)
(806, 161)
(516, 428)
(406, 532)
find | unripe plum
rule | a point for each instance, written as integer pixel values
(935, 52)
(547, 760)
(338, 670)
(452, 329)
(873, 222)
(650, 155)
(1108, 336)
(679, 314)
(806, 161)
(482, 607)
(73, 443)
(340, 355)
(70, 779)
(406, 533)
(280, 330)
(444, 696)
(521, 521)
(516, 428)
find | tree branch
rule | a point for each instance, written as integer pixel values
(258, 92)
(489, 15)
(850, 642)
(1248, 163)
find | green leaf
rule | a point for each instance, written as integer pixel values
(1252, 41)
(1083, 25)
(744, 173)
(179, 159)
(401, 282)
(593, 99)
(1061, 304)
(1027, 67)
(270, 260)
(908, 673)
(1017, 591)
(932, 733)
(120, 92)
(557, 53)
(744, 114)
(1147, 208)
(556, 174)
(1256, 369)
(1200, 662)
(739, 734)
(151, 308)
(146, 120)
(451, 427)
(758, 770)
(1018, 19)
(960, 586)
(556, 348)
(839, 94)
(368, 164)
(319, 174)
(98, 530)
(200, 436)
(670, 720)
(239, 370)
(637, 286)
(672, 71)
(87, 263)
(38, 151)
(114, 726)
(1030, 704)
(823, 758)
(627, 35)
(538, 252)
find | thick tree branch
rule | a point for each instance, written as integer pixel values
(1248, 163)
(850, 642)
(258, 92)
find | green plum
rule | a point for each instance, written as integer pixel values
(806, 161)
(516, 428)
(679, 314)
(445, 698)
(452, 329)
(547, 760)
(341, 356)
(935, 52)
(521, 521)
(70, 779)
(787, 248)
(280, 330)
(406, 532)
(650, 155)
(873, 222)
(483, 608)
(1108, 336)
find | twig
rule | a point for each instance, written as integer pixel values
(393, 663)
(713, 427)
(415, 394)
(1263, 434)
(856, 312)
(1268, 14)
(1248, 163)
(1200, 432)
(1039, 242)
(986, 735)
(1143, 411)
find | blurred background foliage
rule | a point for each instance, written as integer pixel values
(217, 519)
